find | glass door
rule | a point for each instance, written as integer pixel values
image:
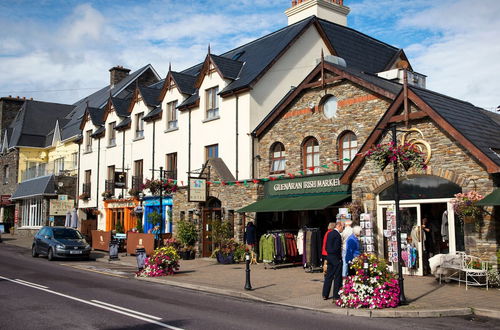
(411, 237)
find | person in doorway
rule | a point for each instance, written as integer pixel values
(334, 262)
(352, 248)
(331, 226)
(428, 243)
(345, 235)
(250, 237)
(156, 232)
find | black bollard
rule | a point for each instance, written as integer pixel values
(248, 286)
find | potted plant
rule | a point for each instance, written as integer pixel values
(134, 192)
(169, 187)
(403, 156)
(154, 218)
(163, 262)
(187, 233)
(229, 252)
(465, 206)
(84, 196)
(107, 194)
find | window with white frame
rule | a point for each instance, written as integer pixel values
(172, 115)
(111, 134)
(6, 174)
(88, 141)
(348, 148)
(139, 125)
(278, 158)
(212, 103)
(58, 165)
(310, 155)
(74, 160)
(32, 212)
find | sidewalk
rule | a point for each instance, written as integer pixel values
(294, 287)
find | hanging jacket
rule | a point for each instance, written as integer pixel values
(266, 248)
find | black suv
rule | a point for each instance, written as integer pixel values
(60, 242)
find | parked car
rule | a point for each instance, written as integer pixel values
(60, 242)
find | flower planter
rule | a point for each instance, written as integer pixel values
(187, 255)
(225, 259)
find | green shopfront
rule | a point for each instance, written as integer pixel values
(294, 203)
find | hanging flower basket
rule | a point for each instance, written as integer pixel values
(404, 156)
(154, 186)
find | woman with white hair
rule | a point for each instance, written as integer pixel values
(352, 247)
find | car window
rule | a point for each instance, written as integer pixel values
(66, 233)
(43, 232)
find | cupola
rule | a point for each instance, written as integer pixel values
(330, 10)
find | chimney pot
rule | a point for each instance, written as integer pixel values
(116, 74)
(24, 97)
(294, 3)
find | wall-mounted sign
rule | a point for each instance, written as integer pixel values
(305, 185)
(62, 197)
(5, 200)
(197, 190)
(60, 207)
(116, 205)
(120, 179)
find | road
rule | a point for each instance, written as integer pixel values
(38, 294)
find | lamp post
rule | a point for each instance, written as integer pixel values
(161, 205)
(402, 298)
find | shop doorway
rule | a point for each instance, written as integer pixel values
(117, 220)
(212, 212)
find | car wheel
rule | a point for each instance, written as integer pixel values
(34, 254)
(50, 255)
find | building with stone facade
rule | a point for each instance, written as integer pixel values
(345, 112)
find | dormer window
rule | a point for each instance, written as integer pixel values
(172, 115)
(212, 103)
(111, 134)
(139, 125)
(88, 141)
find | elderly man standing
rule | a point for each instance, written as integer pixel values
(334, 262)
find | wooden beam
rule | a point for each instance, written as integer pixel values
(411, 116)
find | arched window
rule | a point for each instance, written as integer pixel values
(348, 148)
(310, 155)
(278, 158)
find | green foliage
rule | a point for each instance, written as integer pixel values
(154, 218)
(139, 227)
(221, 232)
(186, 232)
(119, 227)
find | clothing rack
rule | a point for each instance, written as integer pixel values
(311, 258)
(288, 256)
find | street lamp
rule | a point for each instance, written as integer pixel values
(402, 298)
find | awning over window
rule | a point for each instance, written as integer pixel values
(491, 199)
(302, 203)
(41, 186)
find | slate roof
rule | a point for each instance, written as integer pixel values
(150, 95)
(153, 114)
(123, 124)
(123, 89)
(229, 68)
(98, 132)
(121, 106)
(35, 121)
(96, 116)
(472, 122)
(41, 186)
(185, 82)
(189, 101)
(221, 169)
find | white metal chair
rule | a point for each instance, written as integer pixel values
(474, 271)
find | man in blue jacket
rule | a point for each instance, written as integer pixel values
(334, 262)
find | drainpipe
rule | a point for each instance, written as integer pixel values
(189, 143)
(123, 162)
(253, 155)
(153, 155)
(98, 163)
(78, 176)
(237, 133)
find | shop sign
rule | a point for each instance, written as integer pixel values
(120, 179)
(305, 185)
(16, 215)
(60, 207)
(62, 197)
(5, 200)
(197, 191)
(117, 205)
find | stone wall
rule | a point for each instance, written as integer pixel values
(358, 111)
(11, 160)
(450, 161)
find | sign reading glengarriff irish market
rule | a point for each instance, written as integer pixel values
(305, 185)
(197, 191)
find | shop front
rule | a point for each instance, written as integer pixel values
(298, 208)
(153, 209)
(120, 214)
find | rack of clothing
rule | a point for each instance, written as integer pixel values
(278, 248)
(309, 245)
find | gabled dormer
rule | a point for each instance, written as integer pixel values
(184, 83)
(227, 69)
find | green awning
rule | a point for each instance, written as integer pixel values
(491, 199)
(302, 203)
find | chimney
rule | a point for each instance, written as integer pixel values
(116, 74)
(330, 10)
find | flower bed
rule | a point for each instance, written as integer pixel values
(371, 287)
(164, 261)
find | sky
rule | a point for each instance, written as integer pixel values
(61, 51)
